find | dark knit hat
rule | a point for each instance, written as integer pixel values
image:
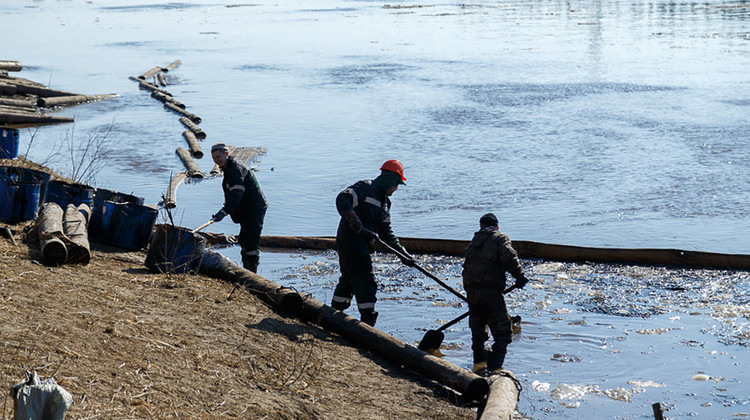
(488, 219)
(219, 146)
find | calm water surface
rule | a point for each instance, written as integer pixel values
(597, 123)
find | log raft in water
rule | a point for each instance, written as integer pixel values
(170, 201)
(72, 100)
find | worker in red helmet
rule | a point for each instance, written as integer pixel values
(365, 207)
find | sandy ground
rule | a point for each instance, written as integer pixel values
(129, 344)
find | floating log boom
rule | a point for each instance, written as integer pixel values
(502, 397)
(199, 134)
(194, 171)
(9, 65)
(194, 118)
(193, 145)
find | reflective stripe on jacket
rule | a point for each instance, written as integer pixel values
(369, 201)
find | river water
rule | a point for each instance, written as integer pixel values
(594, 123)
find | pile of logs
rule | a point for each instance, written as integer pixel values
(63, 235)
(22, 101)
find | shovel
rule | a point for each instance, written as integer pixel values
(434, 338)
(202, 226)
(425, 272)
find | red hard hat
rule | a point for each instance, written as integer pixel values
(395, 166)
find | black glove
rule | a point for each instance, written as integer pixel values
(406, 258)
(521, 283)
(354, 223)
(218, 217)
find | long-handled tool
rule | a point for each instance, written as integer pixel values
(425, 272)
(434, 338)
(202, 226)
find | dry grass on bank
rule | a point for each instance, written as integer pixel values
(129, 344)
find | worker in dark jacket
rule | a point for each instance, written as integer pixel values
(365, 207)
(488, 256)
(244, 202)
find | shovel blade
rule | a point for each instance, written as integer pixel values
(431, 340)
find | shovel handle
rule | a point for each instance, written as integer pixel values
(425, 272)
(202, 226)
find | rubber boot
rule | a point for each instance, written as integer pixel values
(250, 262)
(369, 318)
(495, 361)
(480, 362)
(339, 306)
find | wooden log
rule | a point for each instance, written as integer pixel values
(193, 170)
(50, 233)
(142, 84)
(172, 65)
(9, 65)
(24, 88)
(193, 145)
(7, 89)
(502, 397)
(283, 299)
(30, 117)
(75, 227)
(24, 104)
(72, 100)
(150, 73)
(166, 97)
(199, 134)
(470, 385)
(161, 78)
(194, 118)
(170, 201)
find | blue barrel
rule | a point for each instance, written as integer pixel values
(64, 193)
(19, 200)
(130, 225)
(8, 143)
(99, 225)
(174, 249)
(17, 173)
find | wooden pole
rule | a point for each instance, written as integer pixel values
(194, 171)
(7, 89)
(150, 73)
(50, 231)
(283, 299)
(502, 397)
(72, 100)
(161, 78)
(194, 118)
(33, 89)
(75, 227)
(192, 141)
(199, 134)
